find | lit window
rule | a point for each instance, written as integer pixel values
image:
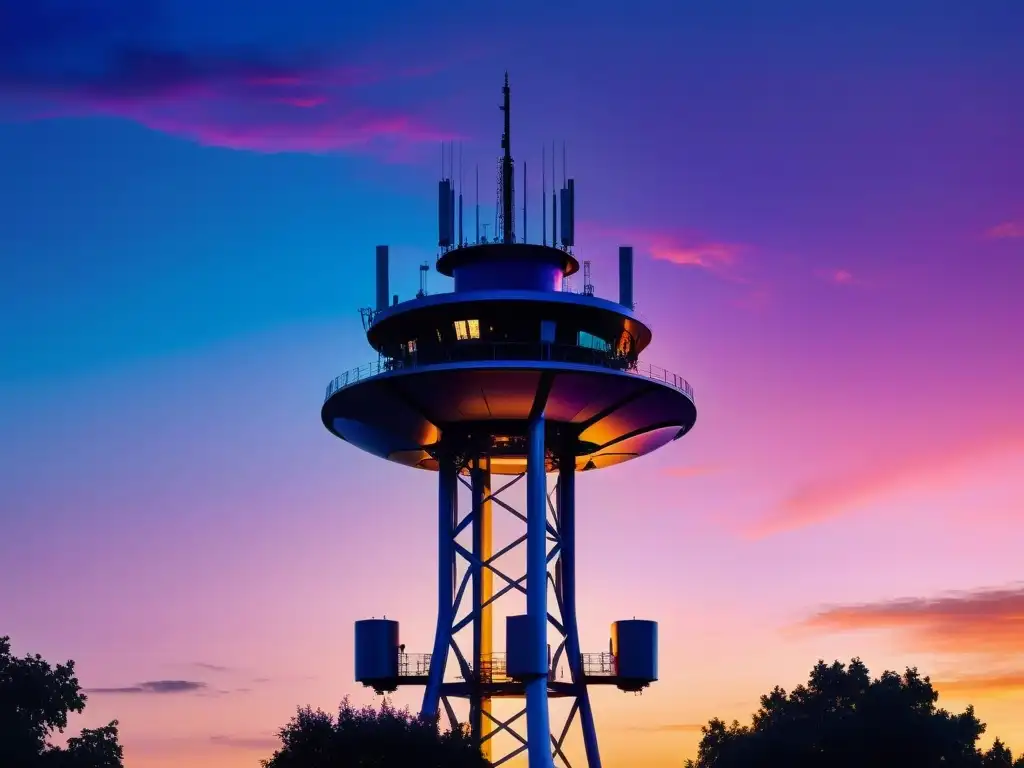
(467, 329)
(590, 341)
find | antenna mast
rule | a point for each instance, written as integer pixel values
(460, 241)
(524, 201)
(554, 200)
(543, 197)
(507, 205)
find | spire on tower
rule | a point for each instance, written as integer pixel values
(507, 171)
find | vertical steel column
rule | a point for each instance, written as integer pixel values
(567, 534)
(538, 722)
(447, 478)
(483, 590)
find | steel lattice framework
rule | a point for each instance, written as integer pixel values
(483, 671)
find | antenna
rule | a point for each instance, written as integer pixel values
(460, 242)
(451, 195)
(568, 194)
(445, 209)
(588, 287)
(554, 201)
(524, 201)
(424, 271)
(543, 197)
(478, 204)
(507, 181)
(486, 225)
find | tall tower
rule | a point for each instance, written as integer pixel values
(506, 378)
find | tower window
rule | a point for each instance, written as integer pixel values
(590, 341)
(467, 329)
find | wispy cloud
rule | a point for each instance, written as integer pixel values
(158, 687)
(984, 621)
(1006, 230)
(244, 100)
(710, 255)
(983, 686)
(837, 276)
(210, 667)
(685, 248)
(833, 496)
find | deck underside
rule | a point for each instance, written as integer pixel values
(611, 416)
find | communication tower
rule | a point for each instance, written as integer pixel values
(508, 377)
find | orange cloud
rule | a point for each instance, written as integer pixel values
(1006, 230)
(987, 621)
(983, 686)
(831, 497)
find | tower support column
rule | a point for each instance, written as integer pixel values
(483, 590)
(538, 725)
(566, 505)
(446, 490)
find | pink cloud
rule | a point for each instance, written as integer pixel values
(708, 255)
(306, 102)
(831, 497)
(686, 249)
(1005, 231)
(986, 621)
(233, 102)
(837, 276)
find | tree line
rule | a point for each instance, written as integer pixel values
(840, 718)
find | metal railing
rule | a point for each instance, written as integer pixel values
(598, 664)
(493, 669)
(477, 351)
(413, 664)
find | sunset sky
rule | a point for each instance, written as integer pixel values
(827, 206)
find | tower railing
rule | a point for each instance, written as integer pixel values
(478, 351)
(413, 664)
(598, 664)
(493, 667)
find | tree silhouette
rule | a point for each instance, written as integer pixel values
(842, 718)
(385, 738)
(35, 700)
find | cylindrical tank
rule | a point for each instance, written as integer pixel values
(377, 653)
(521, 661)
(382, 277)
(626, 276)
(511, 273)
(635, 648)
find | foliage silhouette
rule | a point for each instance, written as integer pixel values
(844, 719)
(385, 738)
(35, 700)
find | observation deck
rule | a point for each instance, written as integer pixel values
(613, 407)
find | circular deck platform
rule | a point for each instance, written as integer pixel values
(400, 414)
